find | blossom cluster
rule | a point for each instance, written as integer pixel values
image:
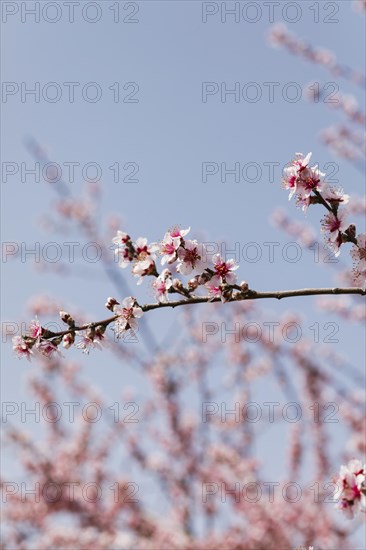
(185, 257)
(351, 488)
(307, 183)
(180, 256)
(45, 342)
(34, 340)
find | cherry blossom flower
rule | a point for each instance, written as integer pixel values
(224, 269)
(177, 232)
(47, 348)
(334, 226)
(301, 179)
(127, 313)
(68, 340)
(86, 343)
(351, 488)
(217, 289)
(145, 256)
(214, 287)
(310, 179)
(191, 258)
(304, 202)
(170, 244)
(292, 172)
(358, 253)
(21, 347)
(168, 248)
(35, 329)
(121, 239)
(335, 195)
(162, 284)
(125, 249)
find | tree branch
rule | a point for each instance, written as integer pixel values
(248, 295)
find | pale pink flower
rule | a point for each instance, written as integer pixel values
(177, 232)
(359, 279)
(191, 258)
(47, 348)
(302, 179)
(145, 258)
(170, 244)
(68, 340)
(21, 348)
(215, 289)
(310, 179)
(127, 313)
(304, 202)
(124, 250)
(292, 172)
(162, 284)
(351, 488)
(168, 248)
(121, 239)
(35, 329)
(334, 226)
(335, 194)
(358, 253)
(125, 256)
(86, 344)
(224, 269)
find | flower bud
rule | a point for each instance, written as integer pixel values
(110, 303)
(192, 284)
(203, 278)
(244, 286)
(177, 284)
(351, 231)
(66, 318)
(68, 340)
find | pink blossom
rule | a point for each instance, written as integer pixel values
(21, 348)
(292, 172)
(162, 284)
(68, 340)
(125, 257)
(334, 226)
(86, 343)
(335, 194)
(177, 232)
(145, 256)
(191, 258)
(301, 179)
(170, 244)
(124, 250)
(168, 248)
(224, 269)
(310, 179)
(35, 329)
(351, 488)
(47, 348)
(127, 315)
(217, 289)
(121, 238)
(214, 287)
(358, 253)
